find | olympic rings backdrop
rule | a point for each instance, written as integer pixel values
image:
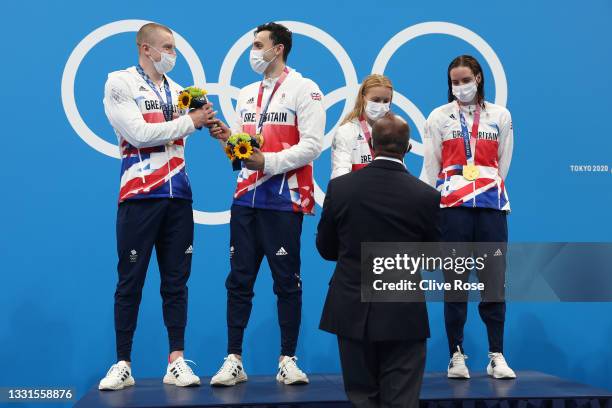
(548, 64)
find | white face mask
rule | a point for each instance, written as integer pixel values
(258, 63)
(166, 63)
(376, 110)
(465, 93)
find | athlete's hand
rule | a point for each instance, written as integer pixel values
(220, 130)
(256, 161)
(203, 116)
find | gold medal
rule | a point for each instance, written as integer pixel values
(470, 172)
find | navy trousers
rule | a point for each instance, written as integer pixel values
(167, 225)
(463, 224)
(255, 233)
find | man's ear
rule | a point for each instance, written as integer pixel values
(282, 49)
(145, 47)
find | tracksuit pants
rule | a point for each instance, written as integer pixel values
(255, 233)
(142, 224)
(463, 224)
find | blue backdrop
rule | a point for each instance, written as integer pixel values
(57, 244)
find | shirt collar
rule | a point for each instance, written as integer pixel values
(269, 82)
(393, 159)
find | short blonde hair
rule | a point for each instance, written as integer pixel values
(146, 32)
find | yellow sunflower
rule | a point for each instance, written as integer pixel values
(229, 152)
(184, 100)
(243, 150)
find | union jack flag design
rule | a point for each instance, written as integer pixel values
(156, 169)
(293, 189)
(445, 156)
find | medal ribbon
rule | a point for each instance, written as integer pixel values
(469, 142)
(366, 133)
(166, 106)
(259, 115)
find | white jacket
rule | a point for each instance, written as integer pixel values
(293, 139)
(350, 149)
(152, 150)
(445, 156)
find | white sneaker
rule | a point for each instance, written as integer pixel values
(498, 368)
(457, 367)
(180, 374)
(289, 373)
(118, 377)
(230, 373)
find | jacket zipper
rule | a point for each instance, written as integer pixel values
(282, 184)
(169, 175)
(142, 177)
(255, 189)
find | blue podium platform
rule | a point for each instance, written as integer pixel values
(530, 389)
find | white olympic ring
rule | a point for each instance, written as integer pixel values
(227, 92)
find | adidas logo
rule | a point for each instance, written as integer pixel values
(189, 250)
(452, 116)
(498, 252)
(360, 137)
(281, 252)
(250, 100)
(142, 88)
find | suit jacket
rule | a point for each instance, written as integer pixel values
(382, 202)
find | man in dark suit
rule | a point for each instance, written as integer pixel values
(382, 345)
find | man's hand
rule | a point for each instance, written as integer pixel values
(256, 161)
(219, 130)
(203, 117)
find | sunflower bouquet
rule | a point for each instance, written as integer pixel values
(192, 98)
(240, 146)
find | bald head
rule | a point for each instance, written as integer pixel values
(390, 136)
